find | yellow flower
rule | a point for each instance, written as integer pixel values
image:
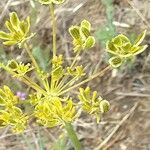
(93, 104)
(14, 118)
(54, 112)
(121, 48)
(7, 98)
(81, 36)
(78, 71)
(18, 31)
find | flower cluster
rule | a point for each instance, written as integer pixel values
(53, 112)
(121, 48)
(17, 69)
(81, 36)
(18, 31)
(78, 71)
(11, 115)
(93, 104)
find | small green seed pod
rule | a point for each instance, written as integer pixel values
(104, 106)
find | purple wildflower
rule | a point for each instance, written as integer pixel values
(21, 95)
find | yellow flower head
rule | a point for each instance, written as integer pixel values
(93, 104)
(7, 98)
(81, 36)
(18, 31)
(14, 118)
(121, 48)
(53, 112)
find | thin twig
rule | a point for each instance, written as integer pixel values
(139, 13)
(5, 10)
(133, 94)
(99, 147)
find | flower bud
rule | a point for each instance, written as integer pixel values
(104, 106)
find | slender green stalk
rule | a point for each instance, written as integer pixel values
(74, 60)
(25, 79)
(101, 73)
(73, 137)
(44, 83)
(69, 83)
(32, 83)
(52, 12)
(31, 56)
(62, 82)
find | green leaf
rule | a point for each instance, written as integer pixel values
(17, 111)
(40, 57)
(2, 125)
(115, 61)
(105, 34)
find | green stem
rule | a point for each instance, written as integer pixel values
(54, 27)
(73, 137)
(25, 79)
(75, 59)
(27, 48)
(69, 83)
(32, 83)
(31, 56)
(101, 73)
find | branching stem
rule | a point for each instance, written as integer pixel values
(101, 73)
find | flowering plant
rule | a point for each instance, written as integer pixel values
(51, 104)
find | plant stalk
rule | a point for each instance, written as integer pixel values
(52, 12)
(31, 56)
(27, 48)
(75, 59)
(73, 137)
(101, 73)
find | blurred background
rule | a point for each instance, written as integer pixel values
(127, 125)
